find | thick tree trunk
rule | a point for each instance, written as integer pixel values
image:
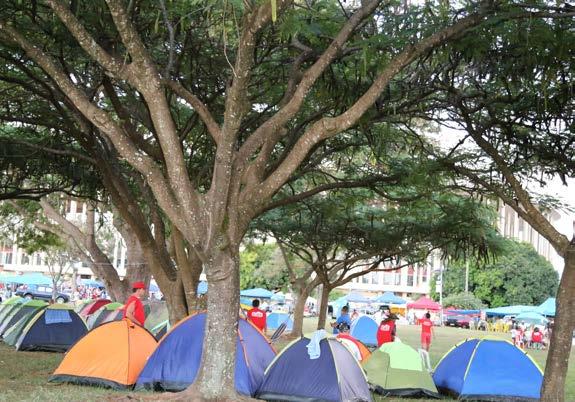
(215, 379)
(558, 358)
(301, 295)
(322, 308)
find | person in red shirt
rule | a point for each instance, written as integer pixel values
(257, 316)
(386, 331)
(537, 339)
(426, 330)
(134, 309)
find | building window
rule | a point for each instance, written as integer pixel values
(364, 279)
(424, 275)
(397, 277)
(25, 259)
(375, 278)
(79, 207)
(410, 273)
(388, 278)
(38, 259)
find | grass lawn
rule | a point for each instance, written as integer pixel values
(24, 375)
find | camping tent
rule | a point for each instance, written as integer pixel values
(161, 329)
(9, 306)
(92, 306)
(488, 369)
(53, 329)
(274, 320)
(21, 310)
(175, 363)
(127, 347)
(547, 307)
(12, 334)
(257, 293)
(532, 317)
(158, 313)
(365, 330)
(335, 376)
(389, 298)
(358, 349)
(101, 315)
(424, 303)
(396, 369)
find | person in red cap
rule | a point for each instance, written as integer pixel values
(134, 309)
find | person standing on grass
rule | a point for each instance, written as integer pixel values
(134, 309)
(257, 316)
(426, 331)
(386, 330)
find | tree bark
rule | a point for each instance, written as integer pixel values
(553, 389)
(215, 379)
(322, 308)
(301, 294)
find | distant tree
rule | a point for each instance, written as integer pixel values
(466, 301)
(518, 276)
(262, 265)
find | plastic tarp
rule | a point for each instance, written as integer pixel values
(175, 362)
(389, 298)
(257, 293)
(488, 369)
(509, 310)
(334, 376)
(364, 329)
(547, 307)
(425, 303)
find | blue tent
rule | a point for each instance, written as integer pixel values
(92, 283)
(175, 362)
(279, 297)
(547, 307)
(355, 297)
(34, 278)
(257, 293)
(389, 298)
(532, 317)
(488, 369)
(334, 376)
(509, 310)
(364, 329)
(274, 320)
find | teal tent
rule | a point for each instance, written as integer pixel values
(547, 307)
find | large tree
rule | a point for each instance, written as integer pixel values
(127, 73)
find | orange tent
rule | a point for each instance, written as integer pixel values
(363, 350)
(111, 355)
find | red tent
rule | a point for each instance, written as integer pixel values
(425, 303)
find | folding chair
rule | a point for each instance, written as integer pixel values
(425, 358)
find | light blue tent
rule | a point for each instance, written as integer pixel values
(257, 293)
(355, 297)
(389, 298)
(279, 297)
(364, 329)
(547, 307)
(509, 310)
(34, 278)
(274, 320)
(532, 317)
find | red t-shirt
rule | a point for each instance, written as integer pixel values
(139, 313)
(258, 318)
(537, 337)
(385, 332)
(426, 325)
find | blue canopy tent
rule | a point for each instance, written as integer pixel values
(532, 317)
(34, 278)
(547, 307)
(488, 370)
(92, 283)
(257, 293)
(389, 298)
(354, 297)
(279, 297)
(509, 310)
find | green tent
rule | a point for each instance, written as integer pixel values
(100, 315)
(23, 309)
(157, 314)
(12, 334)
(396, 369)
(10, 305)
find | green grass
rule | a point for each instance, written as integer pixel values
(24, 375)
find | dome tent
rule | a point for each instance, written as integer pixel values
(396, 369)
(334, 376)
(488, 370)
(29, 307)
(102, 314)
(91, 307)
(12, 333)
(275, 319)
(53, 329)
(174, 364)
(364, 329)
(111, 355)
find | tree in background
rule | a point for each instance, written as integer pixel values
(262, 265)
(519, 275)
(465, 301)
